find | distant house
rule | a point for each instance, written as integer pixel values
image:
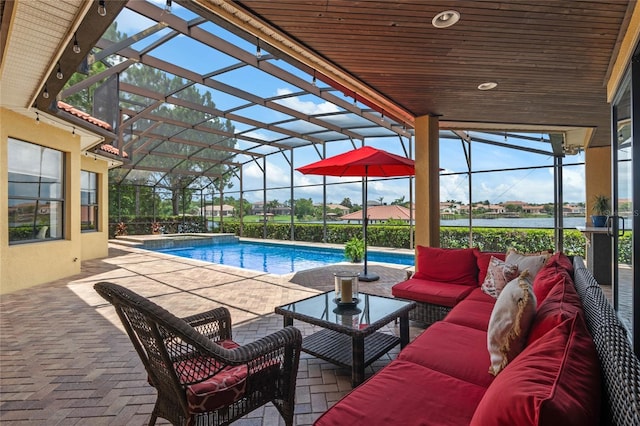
(343, 209)
(495, 209)
(449, 207)
(258, 208)
(533, 209)
(214, 211)
(573, 209)
(379, 214)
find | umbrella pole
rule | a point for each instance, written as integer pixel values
(365, 220)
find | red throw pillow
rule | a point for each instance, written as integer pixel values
(560, 259)
(482, 259)
(561, 303)
(554, 381)
(455, 266)
(548, 277)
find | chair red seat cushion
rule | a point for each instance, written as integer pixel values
(222, 389)
(405, 393)
(434, 292)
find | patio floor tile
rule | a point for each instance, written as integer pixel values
(65, 359)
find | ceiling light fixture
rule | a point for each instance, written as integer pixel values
(45, 92)
(445, 19)
(76, 46)
(102, 8)
(167, 8)
(258, 51)
(314, 82)
(488, 85)
(59, 74)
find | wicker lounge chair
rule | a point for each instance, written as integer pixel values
(202, 377)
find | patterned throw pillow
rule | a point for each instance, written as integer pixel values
(510, 322)
(499, 273)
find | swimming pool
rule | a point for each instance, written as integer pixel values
(276, 258)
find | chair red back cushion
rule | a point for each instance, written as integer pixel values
(455, 266)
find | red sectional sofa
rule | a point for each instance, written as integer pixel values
(443, 377)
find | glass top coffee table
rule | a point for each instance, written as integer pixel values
(350, 336)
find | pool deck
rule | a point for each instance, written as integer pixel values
(66, 360)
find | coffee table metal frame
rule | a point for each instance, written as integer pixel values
(344, 345)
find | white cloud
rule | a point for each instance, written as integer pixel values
(306, 107)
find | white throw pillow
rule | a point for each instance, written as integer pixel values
(531, 262)
(499, 273)
(510, 322)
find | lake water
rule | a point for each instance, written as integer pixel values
(503, 222)
(528, 222)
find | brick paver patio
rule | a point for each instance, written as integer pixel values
(66, 360)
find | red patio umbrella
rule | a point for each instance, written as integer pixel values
(364, 162)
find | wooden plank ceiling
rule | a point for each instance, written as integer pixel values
(551, 58)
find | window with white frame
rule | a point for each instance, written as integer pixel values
(88, 201)
(36, 192)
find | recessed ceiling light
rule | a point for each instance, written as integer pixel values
(445, 19)
(488, 85)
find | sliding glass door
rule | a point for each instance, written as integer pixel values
(625, 217)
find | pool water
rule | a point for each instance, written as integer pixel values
(276, 258)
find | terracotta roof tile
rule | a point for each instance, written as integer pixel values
(380, 213)
(112, 150)
(83, 115)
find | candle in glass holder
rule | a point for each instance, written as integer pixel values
(347, 290)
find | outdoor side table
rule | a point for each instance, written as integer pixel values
(349, 336)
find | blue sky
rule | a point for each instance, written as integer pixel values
(534, 186)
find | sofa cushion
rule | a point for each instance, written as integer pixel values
(454, 266)
(554, 381)
(482, 261)
(478, 295)
(452, 349)
(434, 292)
(499, 273)
(556, 267)
(404, 393)
(510, 321)
(471, 313)
(561, 303)
(532, 262)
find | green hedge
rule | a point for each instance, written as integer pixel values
(487, 239)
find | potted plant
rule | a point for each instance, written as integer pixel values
(601, 210)
(354, 249)
(155, 228)
(121, 229)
